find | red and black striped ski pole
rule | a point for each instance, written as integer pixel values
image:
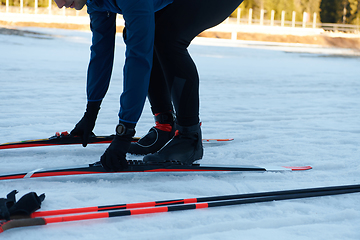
(191, 200)
(182, 204)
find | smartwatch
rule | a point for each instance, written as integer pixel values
(122, 130)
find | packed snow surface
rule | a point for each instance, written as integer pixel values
(285, 105)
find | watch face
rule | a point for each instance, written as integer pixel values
(120, 129)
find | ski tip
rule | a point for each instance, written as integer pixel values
(301, 168)
(218, 139)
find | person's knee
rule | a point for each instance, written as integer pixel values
(169, 39)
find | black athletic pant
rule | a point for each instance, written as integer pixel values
(174, 79)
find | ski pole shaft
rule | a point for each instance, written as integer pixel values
(306, 194)
(189, 200)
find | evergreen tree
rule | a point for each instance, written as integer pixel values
(339, 11)
(328, 12)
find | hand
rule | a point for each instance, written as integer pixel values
(85, 126)
(5, 204)
(114, 158)
(26, 205)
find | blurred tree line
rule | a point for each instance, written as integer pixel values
(28, 3)
(327, 11)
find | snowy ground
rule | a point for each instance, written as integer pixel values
(282, 108)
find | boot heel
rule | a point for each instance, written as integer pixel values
(186, 147)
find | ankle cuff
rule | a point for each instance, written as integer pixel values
(164, 118)
(164, 127)
(189, 129)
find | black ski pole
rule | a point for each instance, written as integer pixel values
(256, 198)
(328, 190)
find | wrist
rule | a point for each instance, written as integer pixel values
(93, 107)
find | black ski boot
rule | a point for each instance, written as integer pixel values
(157, 136)
(186, 147)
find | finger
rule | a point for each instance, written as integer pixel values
(75, 132)
(124, 165)
(116, 165)
(60, 3)
(85, 138)
(103, 162)
(84, 142)
(119, 164)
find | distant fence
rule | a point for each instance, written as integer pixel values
(305, 23)
(52, 10)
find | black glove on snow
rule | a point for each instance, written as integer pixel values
(85, 126)
(114, 158)
(26, 205)
(5, 204)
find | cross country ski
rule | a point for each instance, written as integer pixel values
(140, 166)
(64, 138)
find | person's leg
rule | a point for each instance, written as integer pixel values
(176, 26)
(158, 93)
(161, 106)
